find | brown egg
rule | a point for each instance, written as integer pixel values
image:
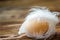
(37, 27)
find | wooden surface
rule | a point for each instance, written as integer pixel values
(13, 34)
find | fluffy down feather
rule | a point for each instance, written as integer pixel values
(40, 23)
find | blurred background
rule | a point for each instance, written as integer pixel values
(17, 9)
(13, 12)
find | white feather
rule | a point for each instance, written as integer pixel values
(38, 14)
